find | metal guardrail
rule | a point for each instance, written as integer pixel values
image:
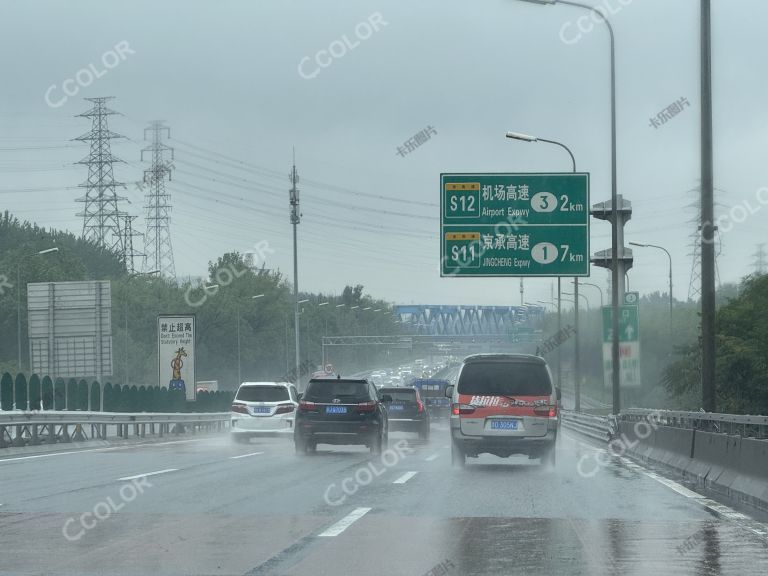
(746, 426)
(50, 427)
(596, 427)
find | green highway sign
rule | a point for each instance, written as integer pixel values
(514, 224)
(629, 346)
(629, 324)
(632, 298)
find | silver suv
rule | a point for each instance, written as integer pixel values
(503, 404)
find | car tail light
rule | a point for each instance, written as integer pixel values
(240, 408)
(306, 406)
(366, 407)
(457, 409)
(284, 408)
(546, 410)
(420, 405)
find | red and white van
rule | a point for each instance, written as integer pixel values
(503, 404)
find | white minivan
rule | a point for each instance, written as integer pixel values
(264, 409)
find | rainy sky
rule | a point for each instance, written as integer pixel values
(240, 83)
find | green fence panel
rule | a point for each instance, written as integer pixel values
(47, 393)
(20, 387)
(35, 394)
(71, 394)
(95, 396)
(6, 392)
(60, 394)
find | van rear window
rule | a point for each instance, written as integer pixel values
(505, 379)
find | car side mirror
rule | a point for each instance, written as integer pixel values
(386, 398)
(299, 396)
(559, 393)
(449, 391)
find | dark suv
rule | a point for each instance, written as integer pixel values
(504, 404)
(341, 411)
(406, 411)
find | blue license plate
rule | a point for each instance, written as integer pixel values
(504, 425)
(261, 409)
(335, 409)
(396, 407)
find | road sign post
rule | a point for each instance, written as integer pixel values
(629, 345)
(496, 225)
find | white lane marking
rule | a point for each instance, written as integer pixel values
(98, 450)
(405, 477)
(721, 510)
(345, 522)
(245, 455)
(430, 458)
(148, 474)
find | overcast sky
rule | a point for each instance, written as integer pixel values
(225, 77)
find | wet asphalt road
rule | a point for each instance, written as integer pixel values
(208, 506)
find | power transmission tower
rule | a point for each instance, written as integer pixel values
(760, 260)
(128, 234)
(694, 287)
(158, 252)
(101, 214)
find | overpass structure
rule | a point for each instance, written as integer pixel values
(455, 320)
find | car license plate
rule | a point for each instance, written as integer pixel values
(396, 407)
(335, 409)
(261, 409)
(503, 424)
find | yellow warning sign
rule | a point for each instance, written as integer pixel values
(462, 235)
(462, 186)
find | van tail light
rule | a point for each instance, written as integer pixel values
(546, 410)
(366, 407)
(457, 409)
(420, 406)
(284, 408)
(240, 408)
(305, 406)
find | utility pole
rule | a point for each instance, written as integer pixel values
(709, 402)
(295, 219)
(158, 252)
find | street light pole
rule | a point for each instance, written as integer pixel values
(598, 289)
(615, 276)
(577, 358)
(669, 257)
(18, 300)
(295, 219)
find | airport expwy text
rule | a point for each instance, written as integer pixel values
(510, 212)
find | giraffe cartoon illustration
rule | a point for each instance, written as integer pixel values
(177, 383)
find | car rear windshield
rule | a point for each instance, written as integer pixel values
(401, 395)
(262, 393)
(505, 379)
(330, 390)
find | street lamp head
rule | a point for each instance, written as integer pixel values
(340, 305)
(542, 2)
(210, 287)
(520, 136)
(302, 301)
(257, 296)
(323, 303)
(638, 244)
(48, 251)
(354, 307)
